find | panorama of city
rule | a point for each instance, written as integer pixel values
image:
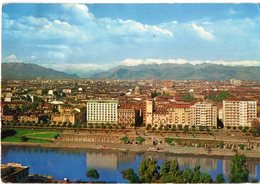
(130, 93)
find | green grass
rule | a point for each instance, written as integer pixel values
(49, 135)
(12, 139)
(34, 135)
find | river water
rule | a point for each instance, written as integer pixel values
(73, 163)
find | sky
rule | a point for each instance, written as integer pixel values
(78, 38)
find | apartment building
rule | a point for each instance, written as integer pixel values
(102, 111)
(203, 114)
(30, 118)
(239, 112)
(180, 114)
(70, 114)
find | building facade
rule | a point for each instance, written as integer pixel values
(70, 114)
(239, 113)
(102, 111)
(148, 112)
(31, 118)
(180, 114)
(203, 114)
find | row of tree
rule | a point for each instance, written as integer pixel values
(149, 171)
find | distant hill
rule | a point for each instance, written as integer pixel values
(31, 71)
(181, 72)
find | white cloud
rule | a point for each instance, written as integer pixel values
(135, 62)
(231, 12)
(79, 11)
(11, 59)
(129, 27)
(201, 31)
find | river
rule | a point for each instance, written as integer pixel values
(73, 163)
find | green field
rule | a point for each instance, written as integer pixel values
(33, 135)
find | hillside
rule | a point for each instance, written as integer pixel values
(25, 71)
(181, 72)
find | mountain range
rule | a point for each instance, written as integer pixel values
(169, 71)
(165, 71)
(25, 71)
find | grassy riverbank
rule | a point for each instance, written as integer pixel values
(28, 135)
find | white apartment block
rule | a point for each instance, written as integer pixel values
(203, 114)
(239, 113)
(102, 111)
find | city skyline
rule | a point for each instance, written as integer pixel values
(82, 37)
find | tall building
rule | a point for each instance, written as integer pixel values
(239, 113)
(180, 114)
(235, 82)
(148, 112)
(203, 114)
(102, 111)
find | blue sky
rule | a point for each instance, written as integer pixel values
(77, 38)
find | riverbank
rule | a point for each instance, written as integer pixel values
(142, 148)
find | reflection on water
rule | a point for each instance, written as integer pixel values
(73, 163)
(108, 159)
(100, 160)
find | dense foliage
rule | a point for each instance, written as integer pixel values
(130, 175)
(93, 173)
(7, 133)
(125, 139)
(187, 98)
(239, 172)
(169, 140)
(222, 96)
(140, 139)
(149, 171)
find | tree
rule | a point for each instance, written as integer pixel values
(220, 178)
(196, 175)
(241, 146)
(125, 139)
(239, 172)
(148, 171)
(140, 139)
(201, 128)
(130, 175)
(193, 128)
(255, 128)
(187, 176)
(7, 133)
(205, 178)
(187, 98)
(169, 140)
(186, 128)
(56, 136)
(170, 172)
(148, 127)
(93, 174)
(179, 127)
(166, 127)
(24, 138)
